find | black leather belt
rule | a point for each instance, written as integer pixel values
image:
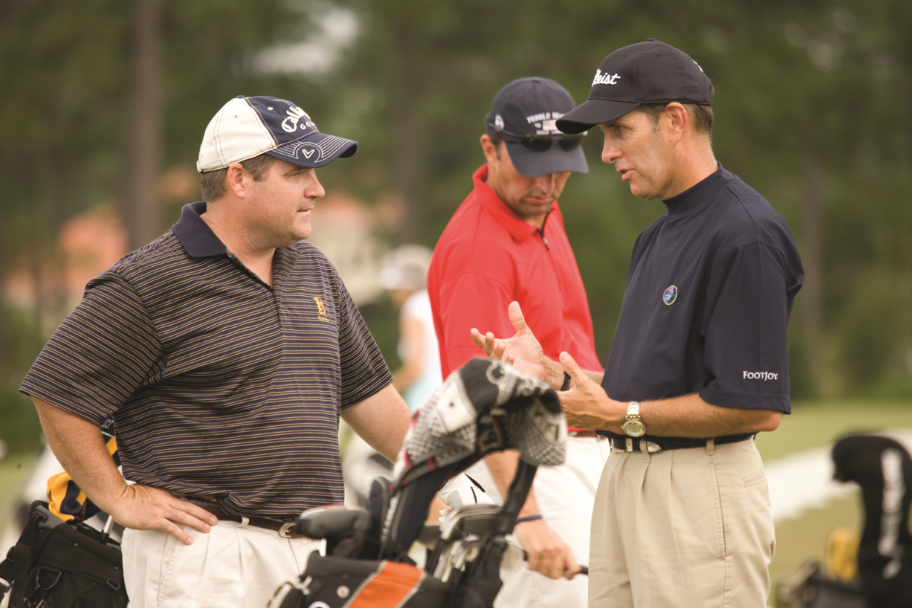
(659, 444)
(284, 528)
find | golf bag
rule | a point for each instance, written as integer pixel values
(883, 469)
(484, 407)
(810, 587)
(62, 565)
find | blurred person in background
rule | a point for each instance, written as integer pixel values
(404, 275)
(506, 243)
(226, 351)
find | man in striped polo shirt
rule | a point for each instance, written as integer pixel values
(226, 351)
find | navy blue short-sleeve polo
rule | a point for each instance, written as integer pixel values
(707, 303)
(220, 385)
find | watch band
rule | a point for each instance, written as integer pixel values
(566, 383)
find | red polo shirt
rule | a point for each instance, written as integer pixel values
(488, 257)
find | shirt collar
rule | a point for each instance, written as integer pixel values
(699, 193)
(195, 235)
(518, 229)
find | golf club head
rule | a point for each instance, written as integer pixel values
(475, 520)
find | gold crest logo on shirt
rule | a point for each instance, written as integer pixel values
(321, 310)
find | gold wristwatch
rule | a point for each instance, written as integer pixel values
(633, 424)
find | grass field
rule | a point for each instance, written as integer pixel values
(13, 469)
(813, 424)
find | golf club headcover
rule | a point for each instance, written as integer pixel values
(484, 407)
(882, 467)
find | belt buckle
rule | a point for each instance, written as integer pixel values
(284, 531)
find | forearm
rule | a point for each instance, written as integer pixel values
(502, 466)
(685, 416)
(80, 448)
(382, 420)
(690, 416)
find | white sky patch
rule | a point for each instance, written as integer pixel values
(319, 50)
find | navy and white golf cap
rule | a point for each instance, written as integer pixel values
(530, 106)
(249, 126)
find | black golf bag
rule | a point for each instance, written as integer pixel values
(59, 564)
(486, 406)
(882, 467)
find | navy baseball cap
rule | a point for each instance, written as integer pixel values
(249, 126)
(523, 114)
(645, 72)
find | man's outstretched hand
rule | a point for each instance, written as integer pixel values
(522, 351)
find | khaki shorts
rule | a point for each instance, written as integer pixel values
(684, 528)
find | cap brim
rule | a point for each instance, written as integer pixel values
(315, 150)
(553, 160)
(593, 112)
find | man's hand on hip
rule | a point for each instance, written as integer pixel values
(79, 447)
(522, 351)
(547, 553)
(144, 508)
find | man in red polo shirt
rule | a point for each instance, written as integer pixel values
(506, 243)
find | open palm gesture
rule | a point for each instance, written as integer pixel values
(522, 351)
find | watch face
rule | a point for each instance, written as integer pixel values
(634, 428)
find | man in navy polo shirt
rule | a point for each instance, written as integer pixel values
(226, 351)
(699, 363)
(507, 242)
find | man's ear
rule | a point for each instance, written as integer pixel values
(676, 121)
(489, 149)
(236, 180)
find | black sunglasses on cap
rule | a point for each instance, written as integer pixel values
(540, 143)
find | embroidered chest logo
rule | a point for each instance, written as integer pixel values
(670, 295)
(321, 310)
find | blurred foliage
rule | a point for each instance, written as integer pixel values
(811, 109)
(20, 429)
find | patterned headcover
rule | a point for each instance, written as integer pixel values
(484, 407)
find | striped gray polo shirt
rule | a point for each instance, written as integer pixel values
(221, 386)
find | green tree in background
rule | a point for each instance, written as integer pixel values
(811, 109)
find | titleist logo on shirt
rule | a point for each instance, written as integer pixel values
(761, 376)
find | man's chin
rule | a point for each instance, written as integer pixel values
(641, 194)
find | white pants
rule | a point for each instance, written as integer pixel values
(230, 567)
(565, 495)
